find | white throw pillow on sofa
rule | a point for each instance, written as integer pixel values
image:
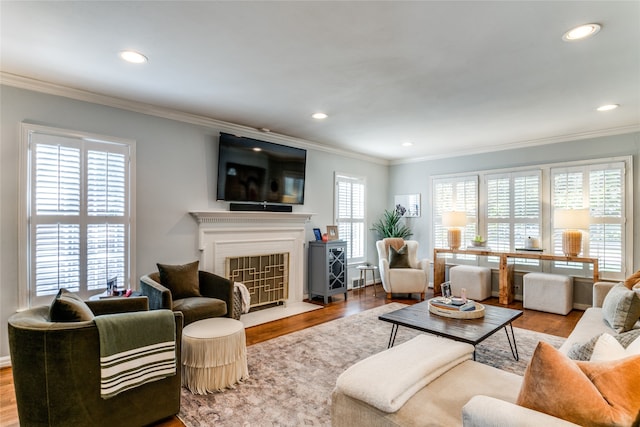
(608, 348)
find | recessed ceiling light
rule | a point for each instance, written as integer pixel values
(407, 144)
(319, 116)
(581, 32)
(133, 57)
(608, 107)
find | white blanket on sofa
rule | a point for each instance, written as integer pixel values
(388, 379)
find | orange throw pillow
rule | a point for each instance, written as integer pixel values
(632, 280)
(585, 393)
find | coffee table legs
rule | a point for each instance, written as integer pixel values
(514, 346)
(511, 339)
(392, 338)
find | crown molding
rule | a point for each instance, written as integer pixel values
(525, 144)
(41, 86)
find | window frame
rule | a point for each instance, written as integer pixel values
(585, 171)
(473, 218)
(547, 231)
(26, 295)
(512, 219)
(339, 177)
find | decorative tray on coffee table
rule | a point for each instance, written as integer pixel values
(450, 310)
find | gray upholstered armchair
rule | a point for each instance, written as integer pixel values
(214, 296)
(56, 371)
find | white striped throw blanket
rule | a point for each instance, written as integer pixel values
(135, 348)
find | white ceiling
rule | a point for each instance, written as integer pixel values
(450, 76)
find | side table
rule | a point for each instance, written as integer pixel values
(214, 355)
(363, 276)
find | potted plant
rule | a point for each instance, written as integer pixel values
(478, 241)
(390, 225)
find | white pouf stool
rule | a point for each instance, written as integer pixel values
(552, 293)
(214, 354)
(476, 280)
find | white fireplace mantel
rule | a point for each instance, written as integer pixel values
(225, 234)
(241, 217)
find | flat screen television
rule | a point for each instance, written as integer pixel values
(250, 170)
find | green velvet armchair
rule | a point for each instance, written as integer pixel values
(216, 297)
(56, 371)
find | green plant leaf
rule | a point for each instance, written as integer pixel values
(390, 225)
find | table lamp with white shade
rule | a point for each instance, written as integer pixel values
(454, 221)
(572, 221)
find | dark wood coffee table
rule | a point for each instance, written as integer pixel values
(471, 331)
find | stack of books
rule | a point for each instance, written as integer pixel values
(455, 304)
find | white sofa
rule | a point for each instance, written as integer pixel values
(468, 394)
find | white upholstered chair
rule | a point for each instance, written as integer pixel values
(413, 278)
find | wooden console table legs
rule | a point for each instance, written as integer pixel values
(506, 286)
(507, 290)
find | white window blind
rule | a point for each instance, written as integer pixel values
(601, 188)
(455, 194)
(350, 217)
(513, 210)
(519, 203)
(79, 214)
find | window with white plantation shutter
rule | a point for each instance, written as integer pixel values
(513, 211)
(601, 188)
(519, 203)
(350, 218)
(79, 220)
(455, 194)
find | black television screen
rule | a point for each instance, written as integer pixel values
(250, 170)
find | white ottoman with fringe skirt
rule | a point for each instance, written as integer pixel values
(214, 355)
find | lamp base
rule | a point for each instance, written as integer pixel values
(571, 242)
(453, 236)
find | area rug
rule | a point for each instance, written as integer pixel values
(291, 377)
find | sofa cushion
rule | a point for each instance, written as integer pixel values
(584, 350)
(198, 308)
(608, 348)
(375, 381)
(399, 258)
(69, 307)
(590, 324)
(621, 308)
(585, 393)
(181, 280)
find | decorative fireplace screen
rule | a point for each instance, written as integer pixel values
(265, 276)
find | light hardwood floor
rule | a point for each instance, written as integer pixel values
(358, 300)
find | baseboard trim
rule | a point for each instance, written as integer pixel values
(5, 362)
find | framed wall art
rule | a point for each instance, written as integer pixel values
(408, 205)
(332, 232)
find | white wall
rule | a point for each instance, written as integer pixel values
(176, 173)
(176, 169)
(415, 177)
